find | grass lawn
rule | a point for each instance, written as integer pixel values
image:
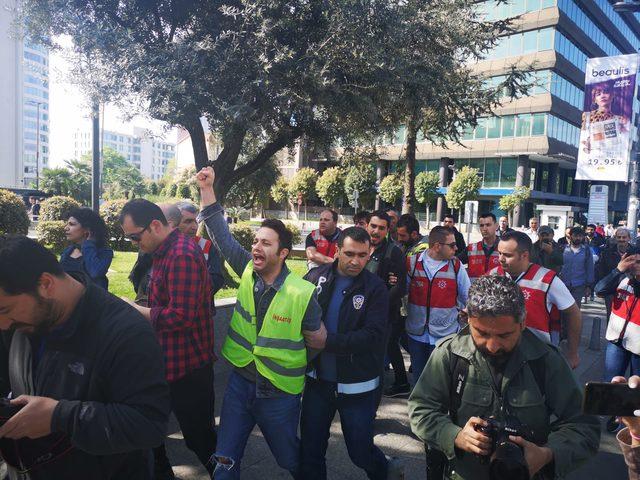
(122, 263)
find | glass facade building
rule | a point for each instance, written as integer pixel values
(533, 141)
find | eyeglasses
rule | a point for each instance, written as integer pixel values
(450, 245)
(137, 236)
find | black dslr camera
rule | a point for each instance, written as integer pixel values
(506, 459)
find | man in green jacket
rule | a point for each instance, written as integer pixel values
(501, 369)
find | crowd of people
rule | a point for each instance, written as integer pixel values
(492, 330)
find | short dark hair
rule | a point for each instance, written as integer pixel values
(356, 234)
(451, 216)
(92, 221)
(409, 222)
(285, 237)
(489, 215)
(142, 212)
(22, 263)
(522, 239)
(439, 234)
(591, 225)
(334, 214)
(495, 296)
(576, 231)
(363, 215)
(382, 215)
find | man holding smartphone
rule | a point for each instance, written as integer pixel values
(546, 251)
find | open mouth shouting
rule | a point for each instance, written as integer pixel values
(259, 259)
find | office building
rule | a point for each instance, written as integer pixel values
(145, 152)
(24, 102)
(533, 141)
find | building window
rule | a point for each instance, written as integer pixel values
(537, 124)
(508, 172)
(493, 127)
(508, 126)
(492, 173)
(523, 127)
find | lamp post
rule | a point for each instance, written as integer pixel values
(632, 218)
(37, 104)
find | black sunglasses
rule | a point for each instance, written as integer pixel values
(137, 236)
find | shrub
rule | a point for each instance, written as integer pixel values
(295, 231)
(50, 233)
(110, 213)
(243, 233)
(183, 191)
(13, 213)
(55, 208)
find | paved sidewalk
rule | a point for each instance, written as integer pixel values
(392, 427)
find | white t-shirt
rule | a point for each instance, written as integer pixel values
(557, 295)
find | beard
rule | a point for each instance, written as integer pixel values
(45, 315)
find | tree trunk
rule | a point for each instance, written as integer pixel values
(409, 172)
(198, 142)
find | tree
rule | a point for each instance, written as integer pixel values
(465, 186)
(80, 186)
(330, 186)
(509, 202)
(391, 188)
(253, 190)
(427, 190)
(361, 178)
(56, 181)
(286, 70)
(303, 185)
(280, 194)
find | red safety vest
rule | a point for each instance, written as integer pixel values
(324, 246)
(432, 303)
(535, 284)
(624, 322)
(205, 245)
(479, 263)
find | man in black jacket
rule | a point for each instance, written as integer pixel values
(85, 369)
(346, 376)
(450, 222)
(610, 256)
(389, 263)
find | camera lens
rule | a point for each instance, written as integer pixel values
(508, 463)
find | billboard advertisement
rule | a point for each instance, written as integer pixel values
(607, 130)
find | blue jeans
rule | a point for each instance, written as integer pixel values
(357, 414)
(419, 353)
(277, 418)
(616, 361)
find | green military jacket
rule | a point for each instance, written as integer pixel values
(557, 416)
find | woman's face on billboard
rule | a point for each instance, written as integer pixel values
(603, 98)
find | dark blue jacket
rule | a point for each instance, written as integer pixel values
(360, 342)
(94, 262)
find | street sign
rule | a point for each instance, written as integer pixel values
(598, 204)
(471, 211)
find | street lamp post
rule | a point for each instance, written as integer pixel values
(632, 216)
(37, 104)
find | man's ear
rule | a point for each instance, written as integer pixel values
(283, 253)
(46, 285)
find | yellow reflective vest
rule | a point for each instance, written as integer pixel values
(278, 350)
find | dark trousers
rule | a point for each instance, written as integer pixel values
(395, 354)
(192, 402)
(320, 403)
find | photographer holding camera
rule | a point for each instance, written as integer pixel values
(491, 385)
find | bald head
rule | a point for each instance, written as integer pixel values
(171, 213)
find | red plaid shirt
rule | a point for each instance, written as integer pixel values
(180, 300)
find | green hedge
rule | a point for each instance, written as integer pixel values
(55, 208)
(13, 213)
(110, 213)
(50, 233)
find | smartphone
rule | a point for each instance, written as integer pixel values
(615, 399)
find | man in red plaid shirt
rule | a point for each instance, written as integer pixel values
(180, 310)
